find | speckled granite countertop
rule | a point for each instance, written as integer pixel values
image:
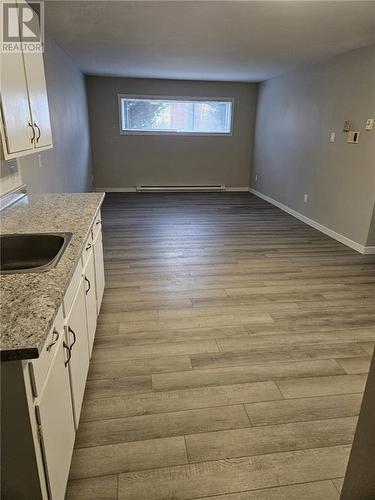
(30, 301)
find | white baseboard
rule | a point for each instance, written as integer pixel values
(326, 230)
(240, 189)
(115, 190)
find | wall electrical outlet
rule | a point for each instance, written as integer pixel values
(12, 166)
(332, 137)
(369, 123)
(353, 137)
(40, 164)
(256, 177)
(305, 198)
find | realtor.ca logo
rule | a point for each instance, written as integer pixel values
(22, 27)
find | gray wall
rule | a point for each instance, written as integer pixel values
(123, 161)
(292, 154)
(371, 234)
(66, 167)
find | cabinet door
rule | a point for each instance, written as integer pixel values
(36, 84)
(76, 331)
(99, 269)
(39, 367)
(91, 312)
(16, 119)
(38, 99)
(55, 417)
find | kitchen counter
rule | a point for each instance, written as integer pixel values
(30, 301)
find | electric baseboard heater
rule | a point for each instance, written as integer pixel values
(187, 188)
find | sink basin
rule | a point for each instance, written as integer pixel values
(31, 253)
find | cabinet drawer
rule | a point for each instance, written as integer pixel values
(97, 226)
(72, 288)
(87, 250)
(39, 367)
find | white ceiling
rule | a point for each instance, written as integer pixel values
(206, 40)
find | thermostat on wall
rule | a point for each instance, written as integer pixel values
(347, 125)
(353, 137)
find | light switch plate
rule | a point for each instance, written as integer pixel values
(353, 137)
(332, 137)
(369, 123)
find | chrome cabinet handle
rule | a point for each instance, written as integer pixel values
(88, 281)
(33, 129)
(69, 353)
(39, 132)
(88, 246)
(54, 339)
(74, 336)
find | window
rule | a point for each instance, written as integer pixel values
(175, 115)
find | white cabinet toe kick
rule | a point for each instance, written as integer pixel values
(41, 398)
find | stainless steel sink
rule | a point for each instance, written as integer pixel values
(31, 253)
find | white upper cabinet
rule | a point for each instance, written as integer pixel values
(25, 122)
(17, 131)
(17, 128)
(36, 84)
(38, 100)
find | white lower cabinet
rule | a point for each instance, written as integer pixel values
(99, 269)
(54, 415)
(90, 296)
(43, 397)
(77, 341)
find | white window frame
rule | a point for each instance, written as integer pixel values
(174, 98)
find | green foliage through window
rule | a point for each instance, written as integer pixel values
(175, 115)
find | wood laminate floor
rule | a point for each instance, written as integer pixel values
(231, 354)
